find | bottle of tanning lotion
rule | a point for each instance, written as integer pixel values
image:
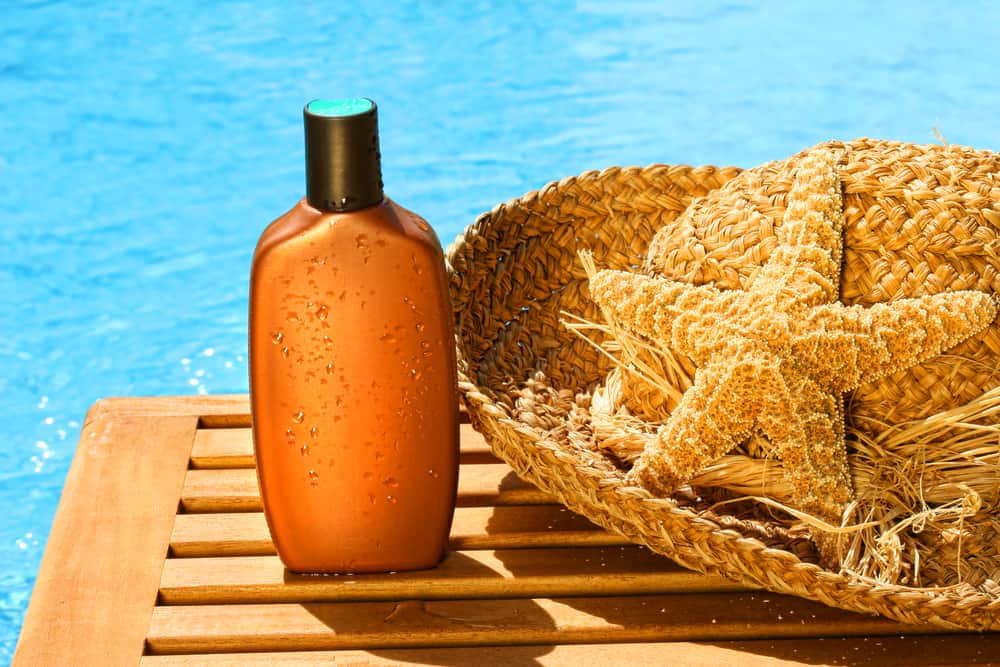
(352, 365)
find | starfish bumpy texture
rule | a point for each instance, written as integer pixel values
(777, 357)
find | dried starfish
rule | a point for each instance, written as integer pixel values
(778, 356)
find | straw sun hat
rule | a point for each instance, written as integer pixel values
(785, 375)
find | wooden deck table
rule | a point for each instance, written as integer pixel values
(159, 555)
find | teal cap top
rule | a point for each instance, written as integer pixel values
(340, 108)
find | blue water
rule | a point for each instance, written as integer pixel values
(143, 149)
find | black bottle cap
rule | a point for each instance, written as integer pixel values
(343, 163)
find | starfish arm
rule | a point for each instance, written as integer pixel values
(845, 347)
(805, 267)
(814, 215)
(805, 425)
(715, 414)
(675, 314)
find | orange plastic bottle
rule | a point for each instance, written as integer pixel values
(352, 365)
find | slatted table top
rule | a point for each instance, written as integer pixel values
(159, 555)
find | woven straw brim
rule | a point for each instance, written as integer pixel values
(514, 273)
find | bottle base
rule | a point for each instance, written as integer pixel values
(361, 567)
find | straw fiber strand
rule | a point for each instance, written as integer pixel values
(918, 220)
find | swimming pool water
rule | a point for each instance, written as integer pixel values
(145, 145)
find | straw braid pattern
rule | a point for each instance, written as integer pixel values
(919, 220)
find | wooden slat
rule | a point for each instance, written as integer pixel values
(913, 651)
(321, 626)
(221, 491)
(462, 574)
(233, 411)
(99, 576)
(222, 448)
(246, 533)
(219, 406)
(205, 535)
(479, 484)
(233, 448)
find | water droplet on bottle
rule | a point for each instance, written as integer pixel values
(371, 498)
(314, 478)
(406, 299)
(387, 338)
(328, 342)
(322, 312)
(379, 456)
(433, 473)
(361, 241)
(329, 369)
(304, 449)
(391, 482)
(290, 436)
(298, 417)
(314, 432)
(414, 374)
(419, 326)
(285, 352)
(391, 499)
(277, 337)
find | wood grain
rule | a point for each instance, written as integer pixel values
(461, 575)
(514, 527)
(216, 448)
(101, 570)
(479, 485)
(913, 651)
(324, 626)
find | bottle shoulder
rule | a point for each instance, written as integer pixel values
(416, 228)
(304, 223)
(296, 222)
